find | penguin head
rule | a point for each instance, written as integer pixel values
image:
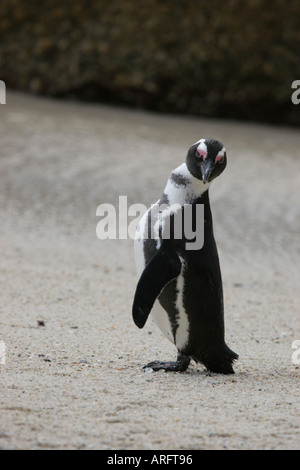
(206, 159)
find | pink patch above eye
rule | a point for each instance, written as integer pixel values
(201, 153)
(220, 158)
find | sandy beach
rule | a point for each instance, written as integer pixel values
(73, 377)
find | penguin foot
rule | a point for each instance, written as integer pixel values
(180, 365)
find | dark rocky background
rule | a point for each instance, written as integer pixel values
(229, 59)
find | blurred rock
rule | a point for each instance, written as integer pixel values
(224, 59)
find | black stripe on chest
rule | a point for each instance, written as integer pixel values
(179, 180)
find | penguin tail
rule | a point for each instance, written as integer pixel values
(223, 362)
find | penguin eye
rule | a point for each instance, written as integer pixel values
(220, 159)
(201, 155)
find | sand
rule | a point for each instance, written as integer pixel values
(73, 377)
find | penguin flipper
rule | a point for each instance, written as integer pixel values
(162, 269)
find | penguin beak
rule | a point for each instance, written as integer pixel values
(206, 169)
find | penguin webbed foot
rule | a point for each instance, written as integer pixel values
(180, 365)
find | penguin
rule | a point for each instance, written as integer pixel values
(182, 287)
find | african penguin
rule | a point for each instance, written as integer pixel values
(181, 287)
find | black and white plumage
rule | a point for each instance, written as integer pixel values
(183, 288)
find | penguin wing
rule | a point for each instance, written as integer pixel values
(162, 269)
